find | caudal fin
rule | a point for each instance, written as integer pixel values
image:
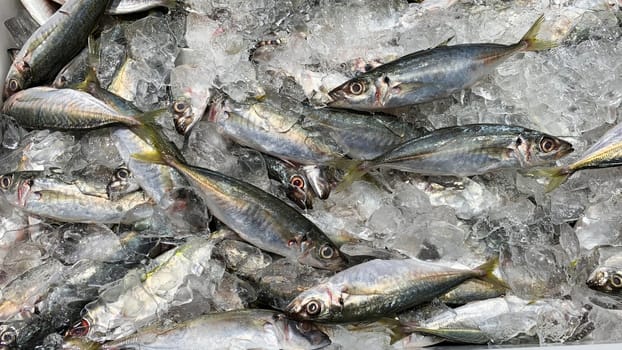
(355, 169)
(487, 269)
(533, 44)
(556, 175)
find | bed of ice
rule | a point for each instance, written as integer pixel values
(547, 243)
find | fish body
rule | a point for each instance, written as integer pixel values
(379, 288)
(51, 197)
(605, 153)
(143, 294)
(40, 10)
(273, 129)
(124, 7)
(262, 219)
(49, 48)
(241, 329)
(470, 150)
(428, 75)
(44, 107)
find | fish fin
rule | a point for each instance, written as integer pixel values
(446, 42)
(355, 169)
(533, 44)
(91, 70)
(395, 328)
(406, 87)
(458, 335)
(151, 156)
(488, 268)
(12, 53)
(556, 175)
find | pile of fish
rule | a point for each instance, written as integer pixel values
(310, 174)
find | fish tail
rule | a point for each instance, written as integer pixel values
(355, 169)
(533, 44)
(151, 156)
(487, 273)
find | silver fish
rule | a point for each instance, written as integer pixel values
(53, 45)
(51, 197)
(44, 107)
(40, 10)
(380, 288)
(242, 329)
(427, 75)
(124, 7)
(469, 150)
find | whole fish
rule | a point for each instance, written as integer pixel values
(45, 107)
(49, 48)
(40, 10)
(607, 277)
(256, 216)
(379, 288)
(124, 7)
(605, 153)
(469, 150)
(293, 181)
(501, 319)
(241, 329)
(144, 293)
(51, 197)
(430, 74)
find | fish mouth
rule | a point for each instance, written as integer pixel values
(23, 192)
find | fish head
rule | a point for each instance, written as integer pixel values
(321, 254)
(535, 148)
(318, 180)
(17, 187)
(17, 79)
(358, 93)
(8, 337)
(121, 183)
(312, 304)
(184, 117)
(605, 279)
(298, 191)
(299, 334)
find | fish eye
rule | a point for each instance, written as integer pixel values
(313, 308)
(356, 88)
(6, 181)
(547, 144)
(13, 85)
(80, 329)
(327, 252)
(179, 106)
(297, 181)
(616, 280)
(122, 173)
(8, 337)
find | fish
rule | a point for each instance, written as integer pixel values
(381, 288)
(40, 10)
(51, 197)
(125, 7)
(240, 329)
(143, 294)
(604, 153)
(607, 277)
(430, 74)
(257, 216)
(64, 299)
(468, 150)
(500, 319)
(66, 109)
(19, 297)
(293, 181)
(275, 128)
(51, 46)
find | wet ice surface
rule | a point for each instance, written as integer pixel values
(546, 242)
